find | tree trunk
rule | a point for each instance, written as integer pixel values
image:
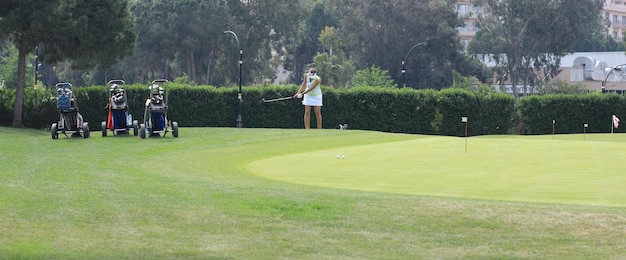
(166, 70)
(208, 70)
(298, 68)
(18, 109)
(191, 66)
(514, 83)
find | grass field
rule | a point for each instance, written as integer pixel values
(282, 194)
(569, 170)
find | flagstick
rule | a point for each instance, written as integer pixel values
(615, 123)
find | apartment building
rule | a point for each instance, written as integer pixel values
(467, 32)
(613, 12)
(589, 69)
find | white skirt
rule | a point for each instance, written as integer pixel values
(314, 101)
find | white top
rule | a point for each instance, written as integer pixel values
(310, 80)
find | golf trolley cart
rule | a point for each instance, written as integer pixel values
(70, 121)
(155, 121)
(119, 120)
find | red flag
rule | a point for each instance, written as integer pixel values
(615, 121)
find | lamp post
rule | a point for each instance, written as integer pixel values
(239, 95)
(36, 64)
(405, 58)
(616, 68)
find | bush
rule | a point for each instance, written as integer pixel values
(395, 110)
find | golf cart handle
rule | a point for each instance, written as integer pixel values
(62, 84)
(160, 81)
(117, 81)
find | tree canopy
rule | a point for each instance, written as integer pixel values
(526, 42)
(382, 32)
(85, 32)
(185, 39)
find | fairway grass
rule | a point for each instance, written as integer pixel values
(231, 193)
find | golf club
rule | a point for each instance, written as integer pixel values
(276, 99)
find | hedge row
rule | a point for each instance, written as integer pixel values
(368, 108)
(570, 113)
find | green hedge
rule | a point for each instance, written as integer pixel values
(381, 109)
(571, 112)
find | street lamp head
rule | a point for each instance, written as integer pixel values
(236, 38)
(407, 56)
(618, 68)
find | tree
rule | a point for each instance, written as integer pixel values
(196, 27)
(329, 38)
(335, 68)
(594, 39)
(87, 32)
(187, 37)
(264, 27)
(8, 67)
(334, 71)
(562, 87)
(154, 47)
(306, 45)
(381, 33)
(373, 76)
(527, 42)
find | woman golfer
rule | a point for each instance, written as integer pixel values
(310, 90)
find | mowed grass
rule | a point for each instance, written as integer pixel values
(211, 194)
(569, 169)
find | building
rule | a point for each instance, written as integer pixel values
(470, 27)
(614, 13)
(589, 69)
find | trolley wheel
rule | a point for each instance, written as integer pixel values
(53, 131)
(142, 131)
(175, 129)
(103, 128)
(85, 130)
(135, 127)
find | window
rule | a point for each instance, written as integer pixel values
(462, 9)
(478, 10)
(474, 26)
(465, 26)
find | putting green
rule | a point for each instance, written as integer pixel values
(569, 169)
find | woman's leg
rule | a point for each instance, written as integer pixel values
(307, 117)
(318, 116)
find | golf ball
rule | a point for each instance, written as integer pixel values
(343, 157)
(337, 156)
